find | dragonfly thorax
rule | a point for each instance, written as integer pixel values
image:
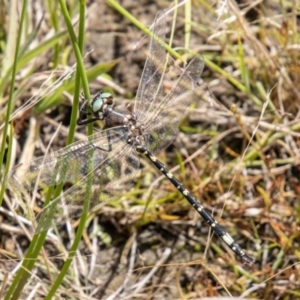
(117, 116)
(135, 132)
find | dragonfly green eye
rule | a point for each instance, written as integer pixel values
(107, 96)
(103, 98)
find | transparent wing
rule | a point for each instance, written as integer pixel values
(108, 181)
(161, 125)
(151, 82)
(70, 161)
(104, 159)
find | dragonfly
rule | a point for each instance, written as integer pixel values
(109, 159)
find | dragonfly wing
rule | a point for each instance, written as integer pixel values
(161, 125)
(64, 165)
(107, 181)
(105, 159)
(151, 82)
